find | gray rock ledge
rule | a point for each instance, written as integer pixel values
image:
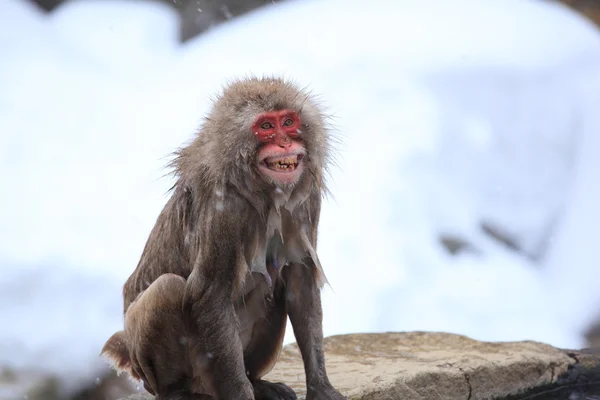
(437, 366)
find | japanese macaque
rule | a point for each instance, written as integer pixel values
(233, 254)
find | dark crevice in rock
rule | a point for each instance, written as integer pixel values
(573, 356)
(580, 382)
(466, 376)
(565, 392)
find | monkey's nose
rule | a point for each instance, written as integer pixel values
(285, 142)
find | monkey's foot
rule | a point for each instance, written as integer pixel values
(183, 394)
(264, 390)
(325, 392)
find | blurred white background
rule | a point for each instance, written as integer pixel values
(452, 114)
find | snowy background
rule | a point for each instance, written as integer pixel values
(452, 114)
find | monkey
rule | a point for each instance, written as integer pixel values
(233, 254)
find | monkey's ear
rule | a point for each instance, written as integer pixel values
(117, 352)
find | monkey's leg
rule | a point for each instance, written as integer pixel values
(263, 350)
(158, 342)
(303, 300)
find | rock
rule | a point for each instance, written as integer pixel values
(27, 385)
(109, 387)
(139, 396)
(436, 366)
(32, 385)
(456, 245)
(197, 16)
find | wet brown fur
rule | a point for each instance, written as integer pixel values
(206, 307)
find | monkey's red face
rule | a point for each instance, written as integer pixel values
(281, 151)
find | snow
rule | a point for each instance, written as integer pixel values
(570, 263)
(486, 115)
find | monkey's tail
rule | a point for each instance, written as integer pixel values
(116, 351)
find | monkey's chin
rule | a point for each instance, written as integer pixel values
(282, 178)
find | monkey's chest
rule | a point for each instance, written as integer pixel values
(286, 241)
(258, 296)
(264, 273)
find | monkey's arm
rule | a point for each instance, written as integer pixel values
(303, 302)
(215, 346)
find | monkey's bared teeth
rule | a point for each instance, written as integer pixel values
(286, 164)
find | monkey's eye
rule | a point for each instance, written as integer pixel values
(266, 125)
(288, 122)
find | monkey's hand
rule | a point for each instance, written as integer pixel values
(323, 392)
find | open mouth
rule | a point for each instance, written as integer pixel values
(283, 164)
